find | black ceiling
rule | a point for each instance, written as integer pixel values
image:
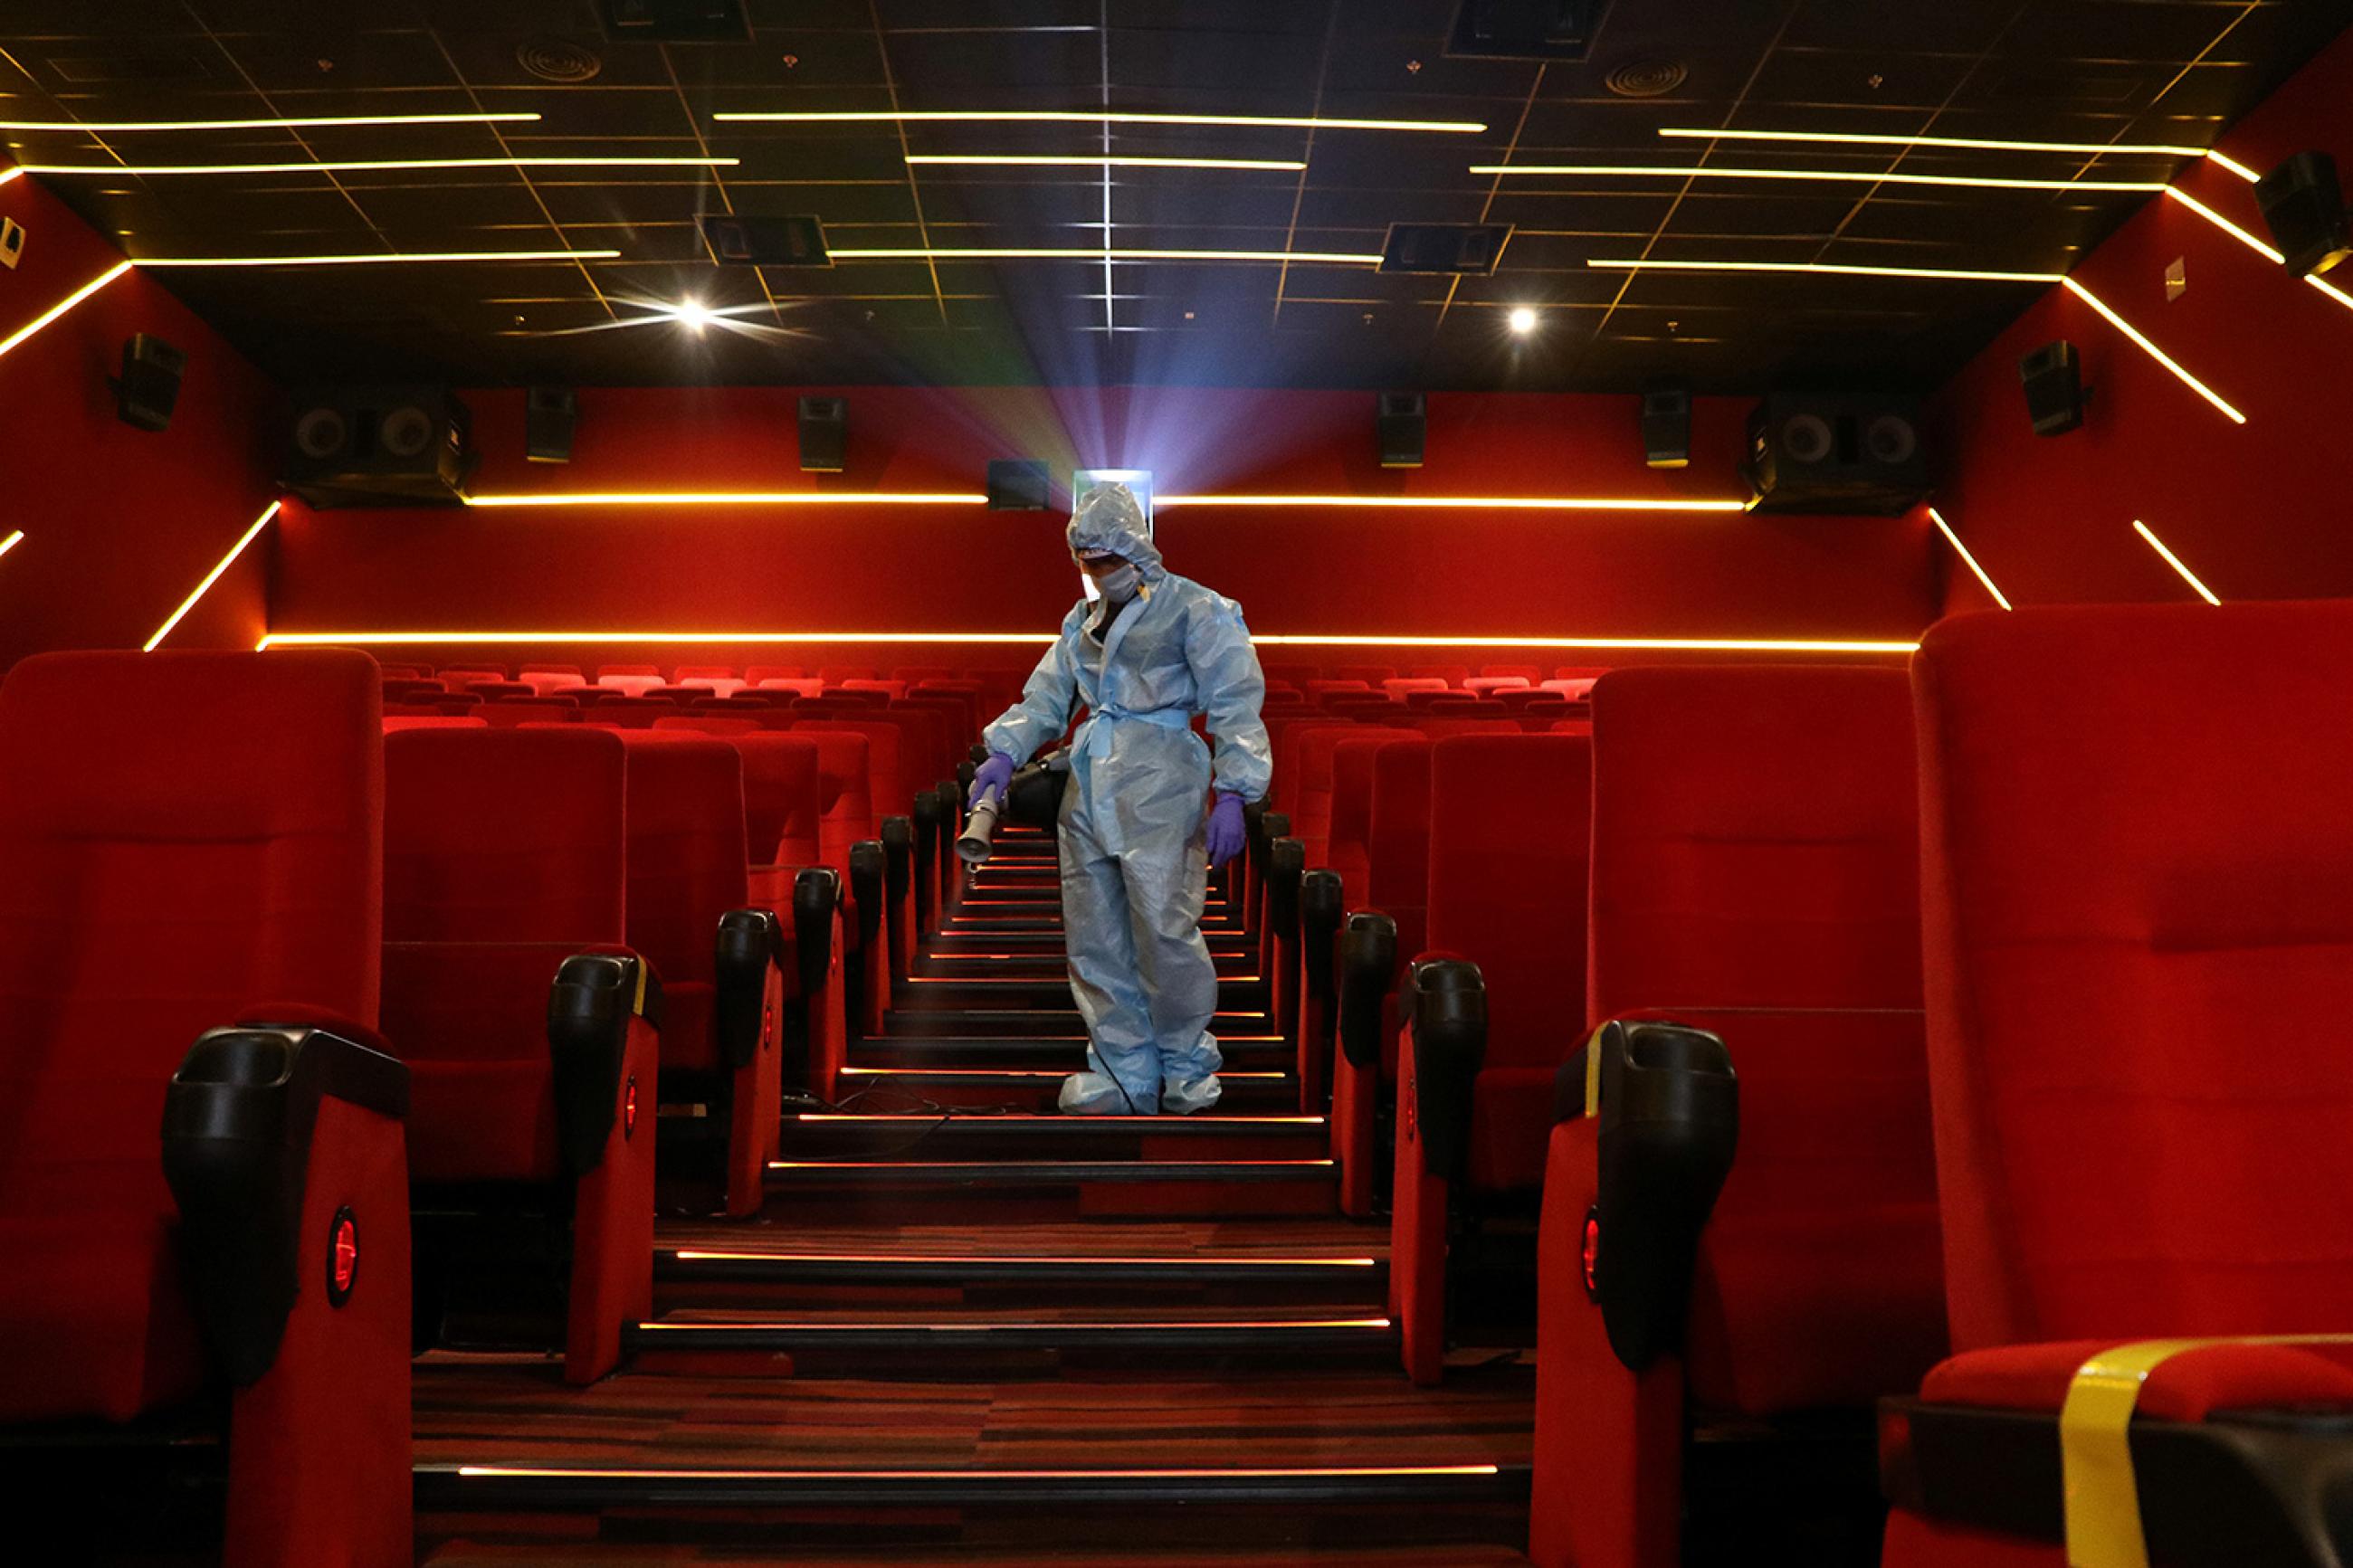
(2085, 70)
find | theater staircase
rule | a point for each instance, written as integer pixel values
(967, 1329)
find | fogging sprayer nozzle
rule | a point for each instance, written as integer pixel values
(973, 846)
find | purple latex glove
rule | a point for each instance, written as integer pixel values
(993, 774)
(1226, 832)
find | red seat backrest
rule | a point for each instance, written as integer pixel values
(688, 866)
(846, 781)
(1348, 845)
(1510, 821)
(1311, 764)
(1397, 880)
(1756, 840)
(784, 795)
(886, 751)
(397, 722)
(2139, 956)
(183, 836)
(503, 835)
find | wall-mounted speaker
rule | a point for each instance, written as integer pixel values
(2304, 208)
(1832, 454)
(379, 446)
(825, 434)
(2054, 388)
(149, 387)
(1017, 484)
(1400, 429)
(1666, 428)
(549, 414)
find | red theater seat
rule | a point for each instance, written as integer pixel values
(722, 959)
(714, 678)
(529, 1025)
(629, 679)
(784, 813)
(1755, 883)
(1306, 996)
(1509, 825)
(190, 841)
(397, 722)
(2139, 956)
(506, 714)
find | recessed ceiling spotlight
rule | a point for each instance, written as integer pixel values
(692, 314)
(1523, 319)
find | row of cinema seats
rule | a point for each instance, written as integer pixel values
(384, 981)
(2060, 1207)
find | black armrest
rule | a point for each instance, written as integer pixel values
(1254, 826)
(1272, 825)
(1367, 963)
(1449, 1045)
(817, 893)
(751, 941)
(237, 1122)
(866, 880)
(2241, 1489)
(588, 1011)
(977, 754)
(1668, 1108)
(966, 774)
(898, 856)
(1286, 867)
(930, 812)
(1319, 929)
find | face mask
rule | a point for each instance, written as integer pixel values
(1119, 584)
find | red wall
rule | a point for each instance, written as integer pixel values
(120, 523)
(2258, 511)
(1306, 570)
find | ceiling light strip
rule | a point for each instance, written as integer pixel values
(1489, 503)
(374, 258)
(62, 306)
(2226, 225)
(1963, 550)
(1883, 139)
(1635, 264)
(1100, 116)
(510, 638)
(2158, 354)
(733, 498)
(2232, 165)
(1848, 175)
(8, 174)
(11, 543)
(348, 165)
(1097, 253)
(1330, 1472)
(1083, 161)
(2331, 289)
(270, 123)
(2175, 561)
(212, 577)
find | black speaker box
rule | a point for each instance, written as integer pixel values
(1471, 247)
(1833, 454)
(825, 434)
(2305, 209)
(1402, 429)
(740, 241)
(1666, 428)
(379, 446)
(548, 415)
(2054, 388)
(1017, 484)
(150, 385)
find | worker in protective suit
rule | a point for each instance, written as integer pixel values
(1144, 656)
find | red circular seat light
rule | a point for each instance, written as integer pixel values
(629, 1109)
(342, 1256)
(1592, 1250)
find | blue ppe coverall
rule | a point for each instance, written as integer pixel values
(1134, 868)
